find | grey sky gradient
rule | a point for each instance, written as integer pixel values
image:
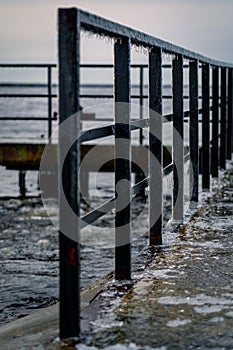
(28, 28)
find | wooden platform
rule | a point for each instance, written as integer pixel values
(27, 156)
(21, 156)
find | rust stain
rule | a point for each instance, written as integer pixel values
(73, 256)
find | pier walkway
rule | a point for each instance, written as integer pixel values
(185, 299)
(182, 300)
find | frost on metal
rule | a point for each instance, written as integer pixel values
(167, 57)
(143, 49)
(92, 34)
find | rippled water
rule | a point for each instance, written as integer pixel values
(29, 252)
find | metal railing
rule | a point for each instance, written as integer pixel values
(71, 22)
(49, 96)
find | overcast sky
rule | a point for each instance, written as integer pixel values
(28, 28)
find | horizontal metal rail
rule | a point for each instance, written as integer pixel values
(26, 95)
(28, 65)
(109, 205)
(82, 65)
(107, 96)
(99, 25)
(51, 96)
(27, 118)
(105, 131)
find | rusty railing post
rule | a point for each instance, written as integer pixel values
(215, 122)
(223, 120)
(122, 159)
(205, 126)
(230, 111)
(156, 146)
(49, 101)
(178, 139)
(139, 176)
(193, 128)
(69, 36)
(141, 101)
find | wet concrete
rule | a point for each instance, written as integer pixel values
(184, 300)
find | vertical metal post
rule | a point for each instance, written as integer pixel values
(140, 175)
(49, 102)
(215, 122)
(178, 139)
(22, 183)
(193, 129)
(156, 146)
(230, 111)
(122, 159)
(84, 184)
(69, 37)
(223, 120)
(141, 102)
(205, 126)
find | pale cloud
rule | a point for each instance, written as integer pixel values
(28, 28)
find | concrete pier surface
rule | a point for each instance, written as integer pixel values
(182, 300)
(185, 299)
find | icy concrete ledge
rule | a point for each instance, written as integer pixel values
(39, 329)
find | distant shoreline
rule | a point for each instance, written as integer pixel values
(29, 85)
